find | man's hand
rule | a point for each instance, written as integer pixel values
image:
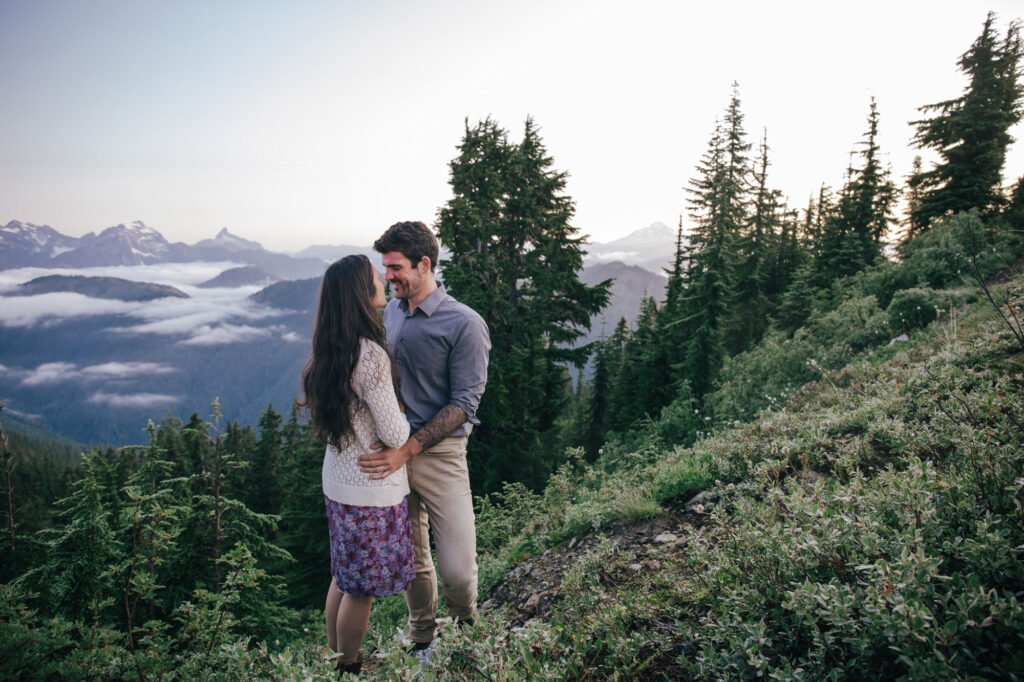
(382, 464)
(389, 460)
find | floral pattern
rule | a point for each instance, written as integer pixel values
(371, 548)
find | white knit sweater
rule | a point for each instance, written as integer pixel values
(375, 416)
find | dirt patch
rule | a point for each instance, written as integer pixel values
(534, 586)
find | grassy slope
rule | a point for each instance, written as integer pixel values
(869, 528)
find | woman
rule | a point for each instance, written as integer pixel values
(349, 383)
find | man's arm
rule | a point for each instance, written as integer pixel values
(389, 460)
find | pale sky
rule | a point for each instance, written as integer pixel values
(316, 122)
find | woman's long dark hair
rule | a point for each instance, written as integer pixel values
(345, 315)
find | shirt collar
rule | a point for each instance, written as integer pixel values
(430, 303)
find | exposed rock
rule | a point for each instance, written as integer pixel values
(534, 586)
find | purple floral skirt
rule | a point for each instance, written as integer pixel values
(371, 548)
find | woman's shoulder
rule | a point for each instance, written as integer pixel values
(369, 346)
(370, 350)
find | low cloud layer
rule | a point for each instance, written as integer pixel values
(174, 274)
(28, 311)
(209, 317)
(223, 334)
(58, 372)
(132, 399)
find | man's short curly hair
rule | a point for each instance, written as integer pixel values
(412, 239)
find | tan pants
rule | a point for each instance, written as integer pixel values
(440, 500)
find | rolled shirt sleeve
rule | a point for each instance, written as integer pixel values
(467, 367)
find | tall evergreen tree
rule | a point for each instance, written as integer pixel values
(636, 386)
(913, 195)
(672, 330)
(10, 544)
(971, 132)
(749, 309)
(515, 260)
(75, 581)
(303, 532)
(718, 207)
(786, 254)
(605, 410)
(852, 236)
(264, 479)
(873, 195)
(597, 416)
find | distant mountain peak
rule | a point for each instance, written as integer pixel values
(226, 240)
(654, 228)
(23, 244)
(651, 247)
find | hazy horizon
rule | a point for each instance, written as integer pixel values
(324, 122)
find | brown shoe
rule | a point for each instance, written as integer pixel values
(354, 667)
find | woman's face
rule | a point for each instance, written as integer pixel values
(379, 300)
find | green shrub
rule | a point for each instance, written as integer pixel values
(855, 325)
(857, 582)
(680, 420)
(912, 309)
(759, 378)
(942, 256)
(684, 478)
(881, 281)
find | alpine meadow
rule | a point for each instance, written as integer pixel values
(803, 459)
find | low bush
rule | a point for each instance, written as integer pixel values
(912, 309)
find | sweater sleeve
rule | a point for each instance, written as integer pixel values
(373, 377)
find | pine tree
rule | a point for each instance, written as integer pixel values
(1014, 211)
(913, 194)
(796, 304)
(853, 233)
(786, 255)
(225, 536)
(605, 416)
(873, 195)
(597, 416)
(636, 386)
(264, 475)
(672, 330)
(749, 309)
(515, 260)
(145, 537)
(303, 531)
(10, 567)
(718, 208)
(74, 581)
(971, 132)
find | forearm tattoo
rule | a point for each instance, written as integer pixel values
(437, 429)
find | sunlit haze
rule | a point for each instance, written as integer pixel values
(324, 122)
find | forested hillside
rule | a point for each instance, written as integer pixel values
(805, 461)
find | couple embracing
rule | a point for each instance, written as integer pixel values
(395, 403)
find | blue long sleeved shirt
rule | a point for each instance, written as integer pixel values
(441, 349)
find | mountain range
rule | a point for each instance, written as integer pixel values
(100, 333)
(29, 245)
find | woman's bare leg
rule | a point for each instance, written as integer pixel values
(334, 596)
(352, 623)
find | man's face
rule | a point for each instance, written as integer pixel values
(405, 279)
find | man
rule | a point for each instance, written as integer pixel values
(441, 348)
